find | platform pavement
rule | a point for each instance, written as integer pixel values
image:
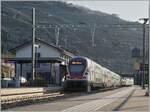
(133, 101)
(26, 90)
(127, 99)
(137, 102)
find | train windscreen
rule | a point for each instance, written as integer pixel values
(76, 68)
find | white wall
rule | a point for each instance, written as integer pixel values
(24, 52)
(46, 51)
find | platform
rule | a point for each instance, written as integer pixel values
(133, 101)
(17, 91)
(122, 99)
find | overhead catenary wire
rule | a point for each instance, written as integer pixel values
(91, 25)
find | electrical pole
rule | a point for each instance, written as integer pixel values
(65, 42)
(33, 43)
(57, 35)
(93, 34)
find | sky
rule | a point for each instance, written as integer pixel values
(127, 10)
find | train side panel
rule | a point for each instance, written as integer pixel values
(95, 76)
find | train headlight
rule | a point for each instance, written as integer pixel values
(86, 73)
(68, 76)
(84, 77)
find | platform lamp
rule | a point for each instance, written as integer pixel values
(143, 21)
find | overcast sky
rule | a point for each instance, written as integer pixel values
(128, 10)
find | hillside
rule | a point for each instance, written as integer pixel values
(114, 38)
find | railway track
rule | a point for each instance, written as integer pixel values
(16, 98)
(26, 99)
(34, 98)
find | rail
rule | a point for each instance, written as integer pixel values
(17, 98)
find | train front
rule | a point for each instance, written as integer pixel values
(76, 78)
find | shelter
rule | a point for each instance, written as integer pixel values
(49, 62)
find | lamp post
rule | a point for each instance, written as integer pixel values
(144, 21)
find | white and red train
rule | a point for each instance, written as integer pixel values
(85, 73)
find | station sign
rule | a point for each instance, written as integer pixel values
(136, 65)
(76, 62)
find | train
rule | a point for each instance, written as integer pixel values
(84, 73)
(127, 81)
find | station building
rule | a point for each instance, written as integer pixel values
(50, 62)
